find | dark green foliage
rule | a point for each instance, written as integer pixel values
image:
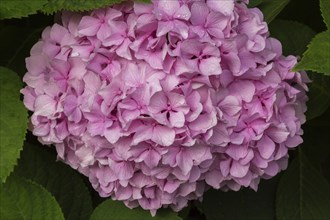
(23, 199)
(303, 193)
(116, 210)
(60, 180)
(244, 204)
(13, 121)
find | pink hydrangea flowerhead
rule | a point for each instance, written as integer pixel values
(156, 103)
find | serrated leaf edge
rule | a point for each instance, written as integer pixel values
(296, 67)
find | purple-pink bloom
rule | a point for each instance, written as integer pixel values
(156, 103)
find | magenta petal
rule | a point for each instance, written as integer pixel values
(210, 66)
(133, 76)
(114, 39)
(158, 102)
(223, 6)
(220, 136)
(245, 89)
(214, 178)
(123, 170)
(152, 159)
(57, 33)
(278, 135)
(89, 26)
(164, 27)
(183, 13)
(171, 186)
(184, 162)
(124, 193)
(45, 106)
(293, 141)
(163, 135)
(168, 6)
(266, 147)
(199, 12)
(104, 32)
(238, 170)
(36, 64)
(237, 151)
(177, 119)
(124, 51)
(113, 134)
(225, 167)
(203, 122)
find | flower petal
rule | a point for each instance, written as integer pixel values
(163, 135)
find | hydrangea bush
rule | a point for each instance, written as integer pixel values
(156, 103)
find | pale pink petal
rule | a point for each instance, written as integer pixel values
(244, 88)
(214, 178)
(278, 134)
(220, 136)
(238, 170)
(171, 186)
(114, 39)
(44, 106)
(168, 6)
(199, 12)
(143, 134)
(158, 102)
(294, 141)
(89, 26)
(203, 122)
(104, 32)
(132, 76)
(210, 66)
(185, 162)
(36, 64)
(266, 147)
(164, 28)
(124, 51)
(225, 7)
(163, 135)
(152, 158)
(113, 134)
(123, 170)
(58, 32)
(177, 119)
(183, 13)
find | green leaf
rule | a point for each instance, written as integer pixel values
(184, 213)
(303, 193)
(19, 8)
(325, 9)
(76, 5)
(317, 57)
(116, 210)
(323, 120)
(24, 38)
(39, 165)
(294, 39)
(254, 3)
(244, 204)
(272, 8)
(316, 144)
(23, 199)
(13, 121)
(318, 94)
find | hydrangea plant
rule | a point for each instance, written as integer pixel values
(186, 104)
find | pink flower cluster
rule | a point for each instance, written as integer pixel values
(156, 103)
